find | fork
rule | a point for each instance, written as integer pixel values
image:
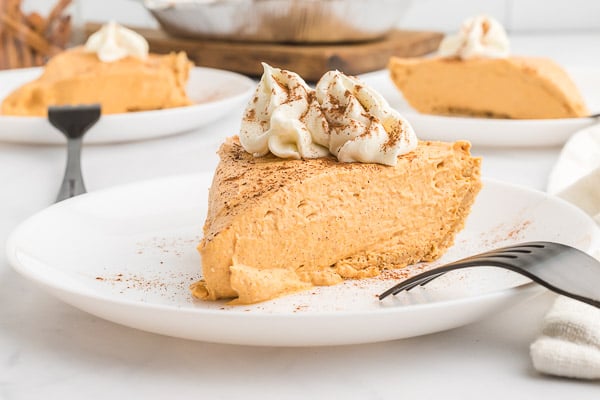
(73, 122)
(562, 269)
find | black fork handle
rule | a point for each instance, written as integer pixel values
(72, 184)
(73, 122)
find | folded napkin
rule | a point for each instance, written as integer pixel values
(570, 342)
(569, 345)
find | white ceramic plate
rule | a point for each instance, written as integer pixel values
(128, 255)
(495, 132)
(215, 93)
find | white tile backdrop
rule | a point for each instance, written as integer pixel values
(444, 15)
(560, 15)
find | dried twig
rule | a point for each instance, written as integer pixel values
(29, 36)
(28, 40)
(56, 12)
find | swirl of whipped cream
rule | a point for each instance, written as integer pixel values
(480, 36)
(114, 42)
(363, 126)
(284, 118)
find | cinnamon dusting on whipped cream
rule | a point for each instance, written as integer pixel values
(342, 117)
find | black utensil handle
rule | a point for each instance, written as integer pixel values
(72, 184)
(73, 122)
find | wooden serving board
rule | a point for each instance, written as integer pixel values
(310, 61)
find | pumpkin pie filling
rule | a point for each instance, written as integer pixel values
(276, 226)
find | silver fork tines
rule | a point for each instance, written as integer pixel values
(558, 267)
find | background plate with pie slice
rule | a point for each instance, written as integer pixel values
(495, 132)
(215, 94)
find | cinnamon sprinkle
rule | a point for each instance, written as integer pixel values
(394, 136)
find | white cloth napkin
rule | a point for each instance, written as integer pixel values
(569, 345)
(570, 342)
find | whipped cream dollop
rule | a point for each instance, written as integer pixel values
(363, 126)
(342, 117)
(284, 118)
(114, 42)
(479, 36)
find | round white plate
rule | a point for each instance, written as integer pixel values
(490, 131)
(127, 254)
(215, 93)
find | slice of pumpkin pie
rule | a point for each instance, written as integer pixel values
(327, 185)
(114, 69)
(474, 75)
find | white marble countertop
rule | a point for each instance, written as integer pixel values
(52, 350)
